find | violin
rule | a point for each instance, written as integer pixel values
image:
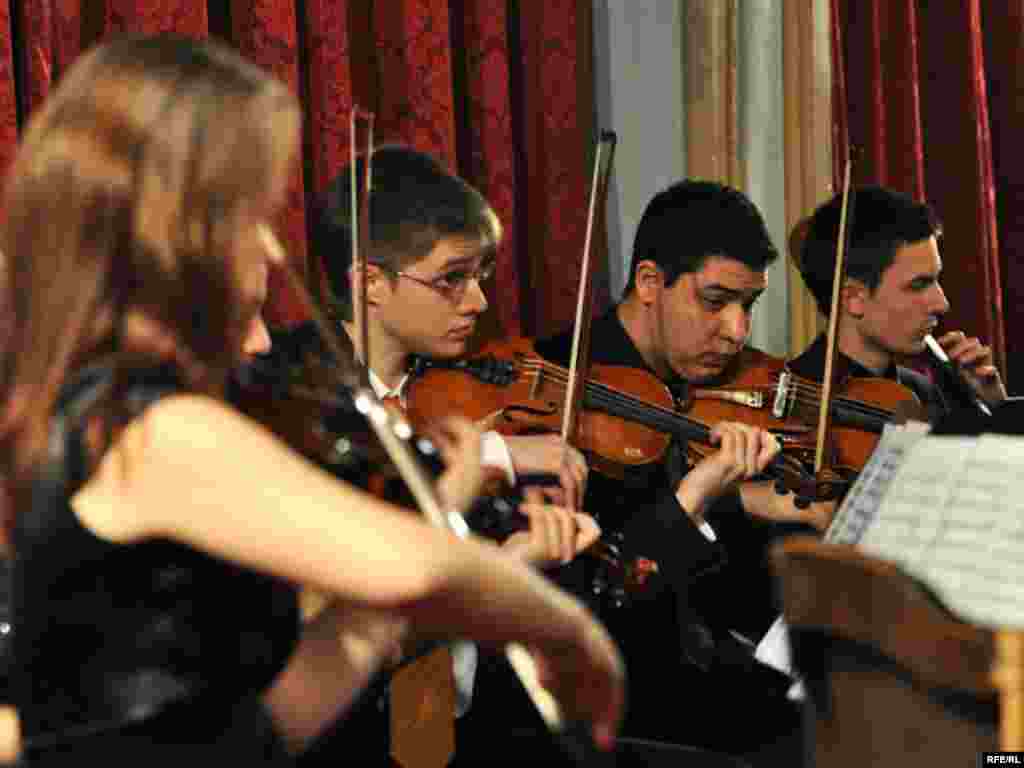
(759, 389)
(628, 419)
(302, 397)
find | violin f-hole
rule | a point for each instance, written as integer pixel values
(532, 414)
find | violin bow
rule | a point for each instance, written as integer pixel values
(579, 359)
(842, 244)
(360, 209)
(346, 368)
(394, 432)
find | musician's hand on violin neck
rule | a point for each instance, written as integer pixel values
(743, 452)
(459, 442)
(977, 363)
(555, 534)
(551, 455)
(761, 499)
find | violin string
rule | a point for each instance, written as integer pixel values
(670, 417)
(804, 385)
(855, 406)
(630, 404)
(604, 394)
(666, 418)
(810, 394)
(558, 374)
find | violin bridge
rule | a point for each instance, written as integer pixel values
(535, 387)
(781, 405)
(747, 397)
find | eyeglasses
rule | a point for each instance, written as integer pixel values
(452, 285)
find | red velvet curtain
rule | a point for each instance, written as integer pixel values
(499, 91)
(925, 96)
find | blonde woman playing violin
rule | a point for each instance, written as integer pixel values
(157, 533)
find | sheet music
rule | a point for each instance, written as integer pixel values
(860, 507)
(953, 517)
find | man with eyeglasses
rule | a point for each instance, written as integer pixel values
(432, 246)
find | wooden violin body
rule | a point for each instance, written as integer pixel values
(758, 389)
(628, 419)
(509, 388)
(295, 392)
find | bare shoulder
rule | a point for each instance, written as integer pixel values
(175, 451)
(183, 429)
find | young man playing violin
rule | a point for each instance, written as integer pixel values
(432, 243)
(698, 267)
(890, 301)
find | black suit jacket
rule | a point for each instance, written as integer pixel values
(680, 638)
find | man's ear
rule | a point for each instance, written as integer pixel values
(377, 282)
(648, 281)
(854, 296)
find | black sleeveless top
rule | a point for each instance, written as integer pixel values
(150, 651)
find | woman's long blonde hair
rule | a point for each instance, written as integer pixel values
(122, 199)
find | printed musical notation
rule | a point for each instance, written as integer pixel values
(952, 516)
(860, 507)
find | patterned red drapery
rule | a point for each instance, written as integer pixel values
(497, 91)
(920, 110)
(8, 97)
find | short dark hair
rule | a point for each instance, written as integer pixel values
(690, 221)
(414, 203)
(883, 221)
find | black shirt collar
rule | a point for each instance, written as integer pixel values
(811, 364)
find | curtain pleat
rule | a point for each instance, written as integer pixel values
(958, 170)
(267, 33)
(711, 103)
(840, 103)
(881, 89)
(489, 160)
(1003, 30)
(807, 93)
(916, 107)
(415, 99)
(184, 17)
(36, 54)
(556, 142)
(329, 88)
(8, 94)
(50, 41)
(499, 92)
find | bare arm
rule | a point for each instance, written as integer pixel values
(340, 651)
(10, 736)
(250, 499)
(760, 499)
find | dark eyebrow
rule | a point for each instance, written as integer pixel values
(456, 264)
(732, 292)
(460, 262)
